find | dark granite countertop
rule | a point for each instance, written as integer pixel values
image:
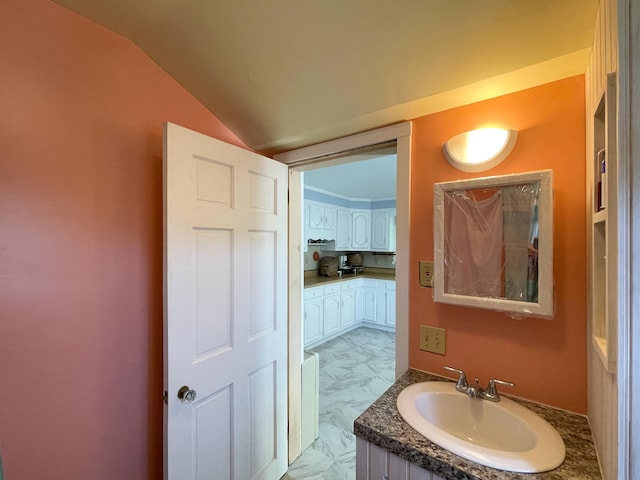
(382, 425)
(375, 273)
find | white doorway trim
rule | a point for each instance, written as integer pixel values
(401, 133)
(628, 236)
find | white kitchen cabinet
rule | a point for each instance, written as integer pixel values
(369, 300)
(359, 300)
(330, 220)
(391, 304)
(320, 221)
(331, 310)
(343, 229)
(383, 230)
(361, 229)
(381, 303)
(347, 304)
(313, 329)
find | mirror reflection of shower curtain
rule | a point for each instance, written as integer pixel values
(473, 252)
(520, 242)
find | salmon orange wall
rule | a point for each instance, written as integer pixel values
(545, 358)
(81, 114)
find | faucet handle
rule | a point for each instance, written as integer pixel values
(492, 390)
(462, 379)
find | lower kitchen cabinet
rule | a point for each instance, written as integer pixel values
(331, 310)
(381, 303)
(313, 330)
(385, 304)
(347, 304)
(369, 299)
(334, 309)
(391, 304)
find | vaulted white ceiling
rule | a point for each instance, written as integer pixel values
(288, 73)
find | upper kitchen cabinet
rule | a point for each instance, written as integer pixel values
(383, 230)
(343, 229)
(360, 229)
(320, 221)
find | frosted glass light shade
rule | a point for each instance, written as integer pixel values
(479, 150)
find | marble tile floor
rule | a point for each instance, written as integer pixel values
(355, 369)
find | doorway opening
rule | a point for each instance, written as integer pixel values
(324, 155)
(348, 325)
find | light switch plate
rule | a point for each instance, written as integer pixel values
(426, 273)
(432, 339)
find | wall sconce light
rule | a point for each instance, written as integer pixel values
(479, 150)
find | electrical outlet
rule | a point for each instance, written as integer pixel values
(432, 339)
(426, 273)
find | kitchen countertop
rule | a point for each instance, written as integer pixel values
(370, 272)
(382, 425)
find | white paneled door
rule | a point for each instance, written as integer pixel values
(225, 310)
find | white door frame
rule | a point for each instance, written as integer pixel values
(628, 236)
(401, 133)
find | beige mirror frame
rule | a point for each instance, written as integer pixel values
(543, 304)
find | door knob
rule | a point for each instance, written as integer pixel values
(186, 394)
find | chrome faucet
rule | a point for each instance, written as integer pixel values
(476, 391)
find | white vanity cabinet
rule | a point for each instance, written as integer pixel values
(383, 230)
(320, 220)
(375, 463)
(360, 229)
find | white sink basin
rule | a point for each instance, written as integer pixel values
(502, 435)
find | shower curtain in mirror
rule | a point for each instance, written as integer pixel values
(474, 245)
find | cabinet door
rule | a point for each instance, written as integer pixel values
(369, 303)
(381, 303)
(347, 307)
(314, 218)
(330, 219)
(383, 230)
(343, 229)
(361, 230)
(313, 320)
(331, 314)
(379, 230)
(359, 303)
(391, 304)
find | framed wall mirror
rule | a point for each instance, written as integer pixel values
(493, 242)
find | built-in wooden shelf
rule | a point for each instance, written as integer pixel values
(603, 228)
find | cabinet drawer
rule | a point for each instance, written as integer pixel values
(314, 292)
(329, 289)
(369, 282)
(349, 285)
